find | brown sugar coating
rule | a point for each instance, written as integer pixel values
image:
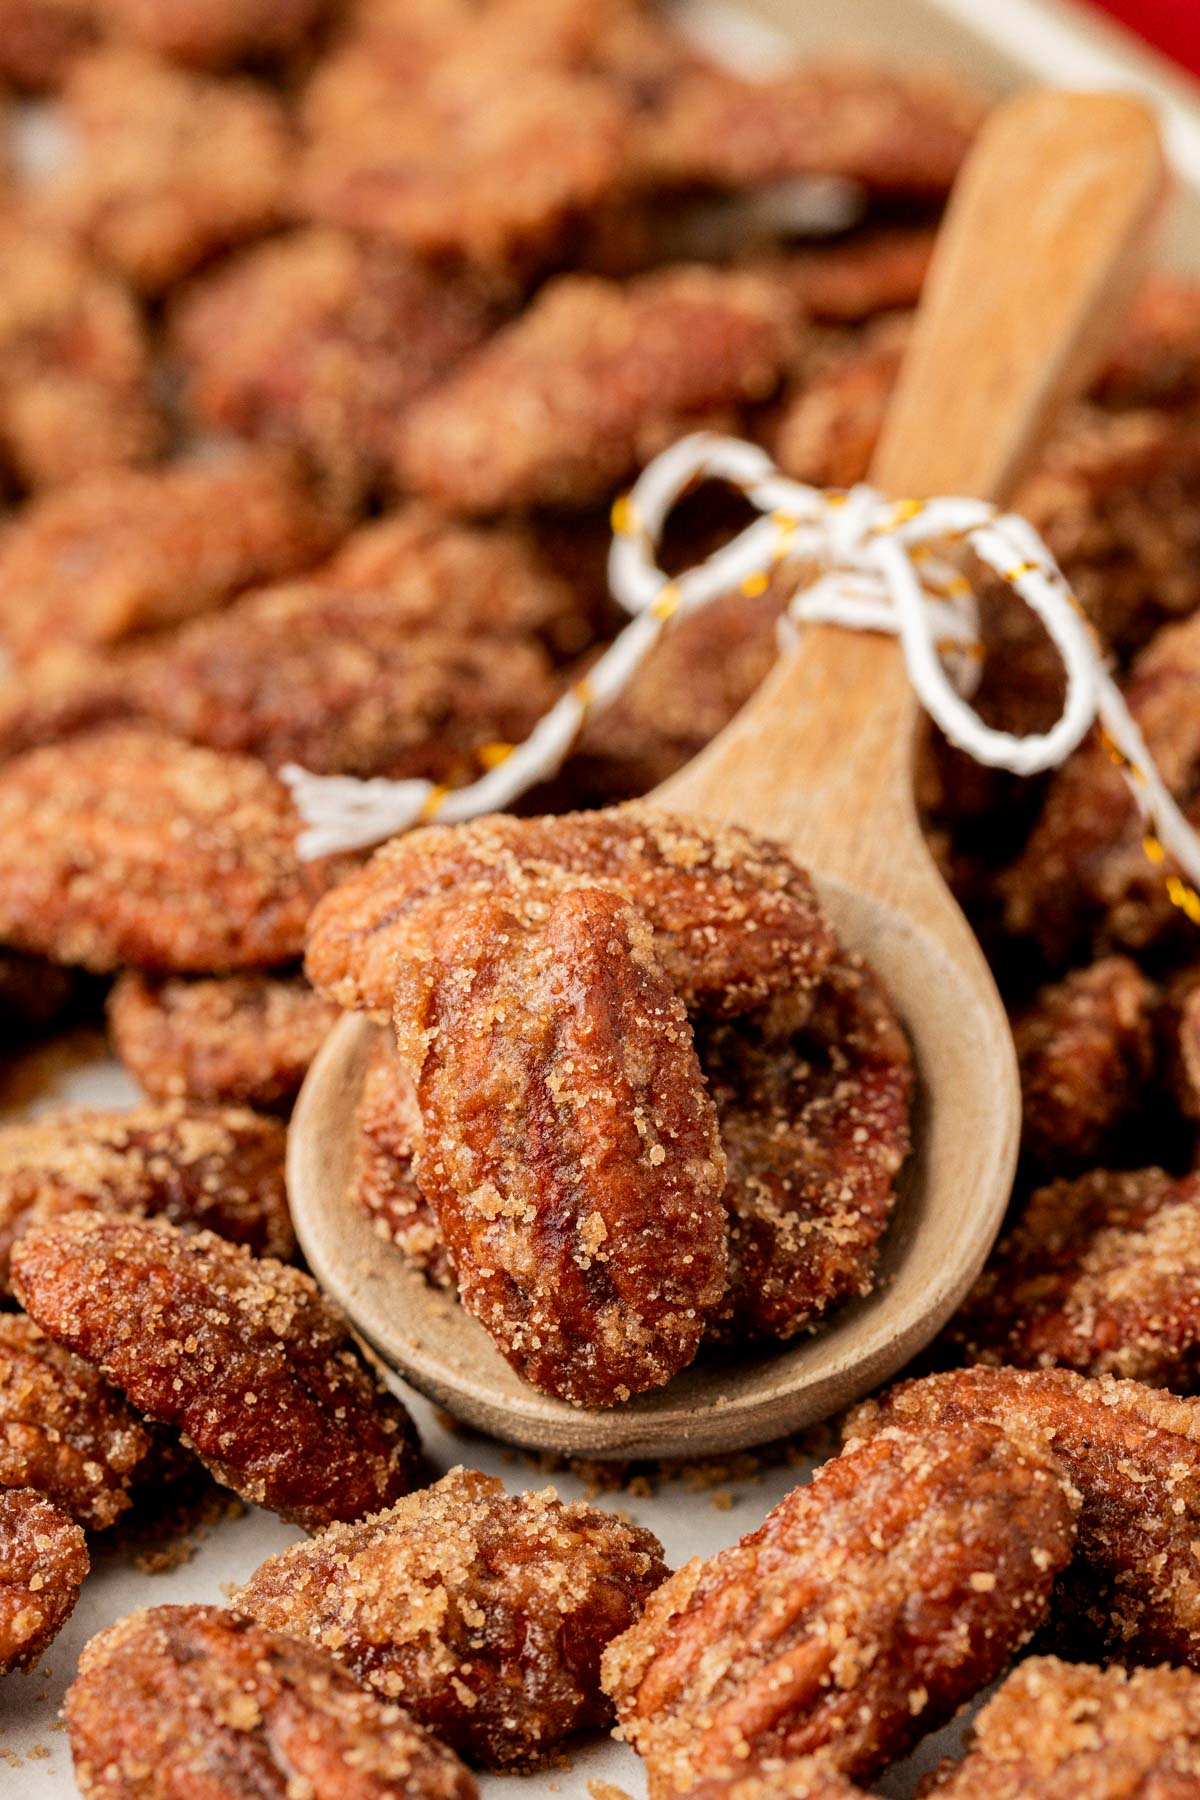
(129, 847)
(815, 1126)
(735, 920)
(457, 168)
(64, 1431)
(590, 382)
(388, 1124)
(801, 1778)
(320, 341)
(233, 1040)
(170, 167)
(569, 1148)
(214, 34)
(893, 133)
(119, 554)
(1064, 1731)
(43, 1564)
(1085, 1046)
(178, 1702)
(1133, 1453)
(444, 572)
(1084, 876)
(860, 1615)
(39, 39)
(341, 683)
(1101, 1274)
(242, 1354)
(484, 1614)
(74, 366)
(213, 1168)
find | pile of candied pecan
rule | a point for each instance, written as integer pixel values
(324, 352)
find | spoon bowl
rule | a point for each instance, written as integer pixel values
(945, 1219)
(821, 759)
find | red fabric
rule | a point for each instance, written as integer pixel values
(1172, 26)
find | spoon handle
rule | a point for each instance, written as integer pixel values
(1044, 241)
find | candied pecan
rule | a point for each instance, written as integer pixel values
(43, 1563)
(171, 168)
(74, 372)
(893, 133)
(1133, 1453)
(39, 39)
(773, 1778)
(343, 684)
(388, 1124)
(63, 1430)
(735, 920)
(1084, 876)
(827, 432)
(699, 674)
(1085, 1046)
(321, 341)
(1117, 499)
(569, 1148)
(178, 1701)
(119, 554)
(456, 167)
(851, 279)
(243, 1354)
(569, 400)
(243, 1040)
(1102, 1275)
(444, 572)
(814, 1123)
(484, 1614)
(213, 34)
(862, 1614)
(130, 847)
(215, 1168)
(1156, 361)
(1078, 1733)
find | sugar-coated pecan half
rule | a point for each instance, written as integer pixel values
(243, 1355)
(483, 1613)
(43, 1563)
(242, 1040)
(1100, 1274)
(569, 1147)
(735, 920)
(214, 1168)
(814, 1118)
(1133, 1454)
(1085, 1046)
(130, 847)
(859, 1616)
(180, 1701)
(64, 1431)
(1079, 1733)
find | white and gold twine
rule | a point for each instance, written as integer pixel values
(876, 565)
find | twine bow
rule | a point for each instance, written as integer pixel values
(875, 565)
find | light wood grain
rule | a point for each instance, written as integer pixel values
(1045, 237)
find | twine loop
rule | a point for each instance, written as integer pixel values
(863, 562)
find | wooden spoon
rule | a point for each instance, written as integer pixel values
(1045, 238)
